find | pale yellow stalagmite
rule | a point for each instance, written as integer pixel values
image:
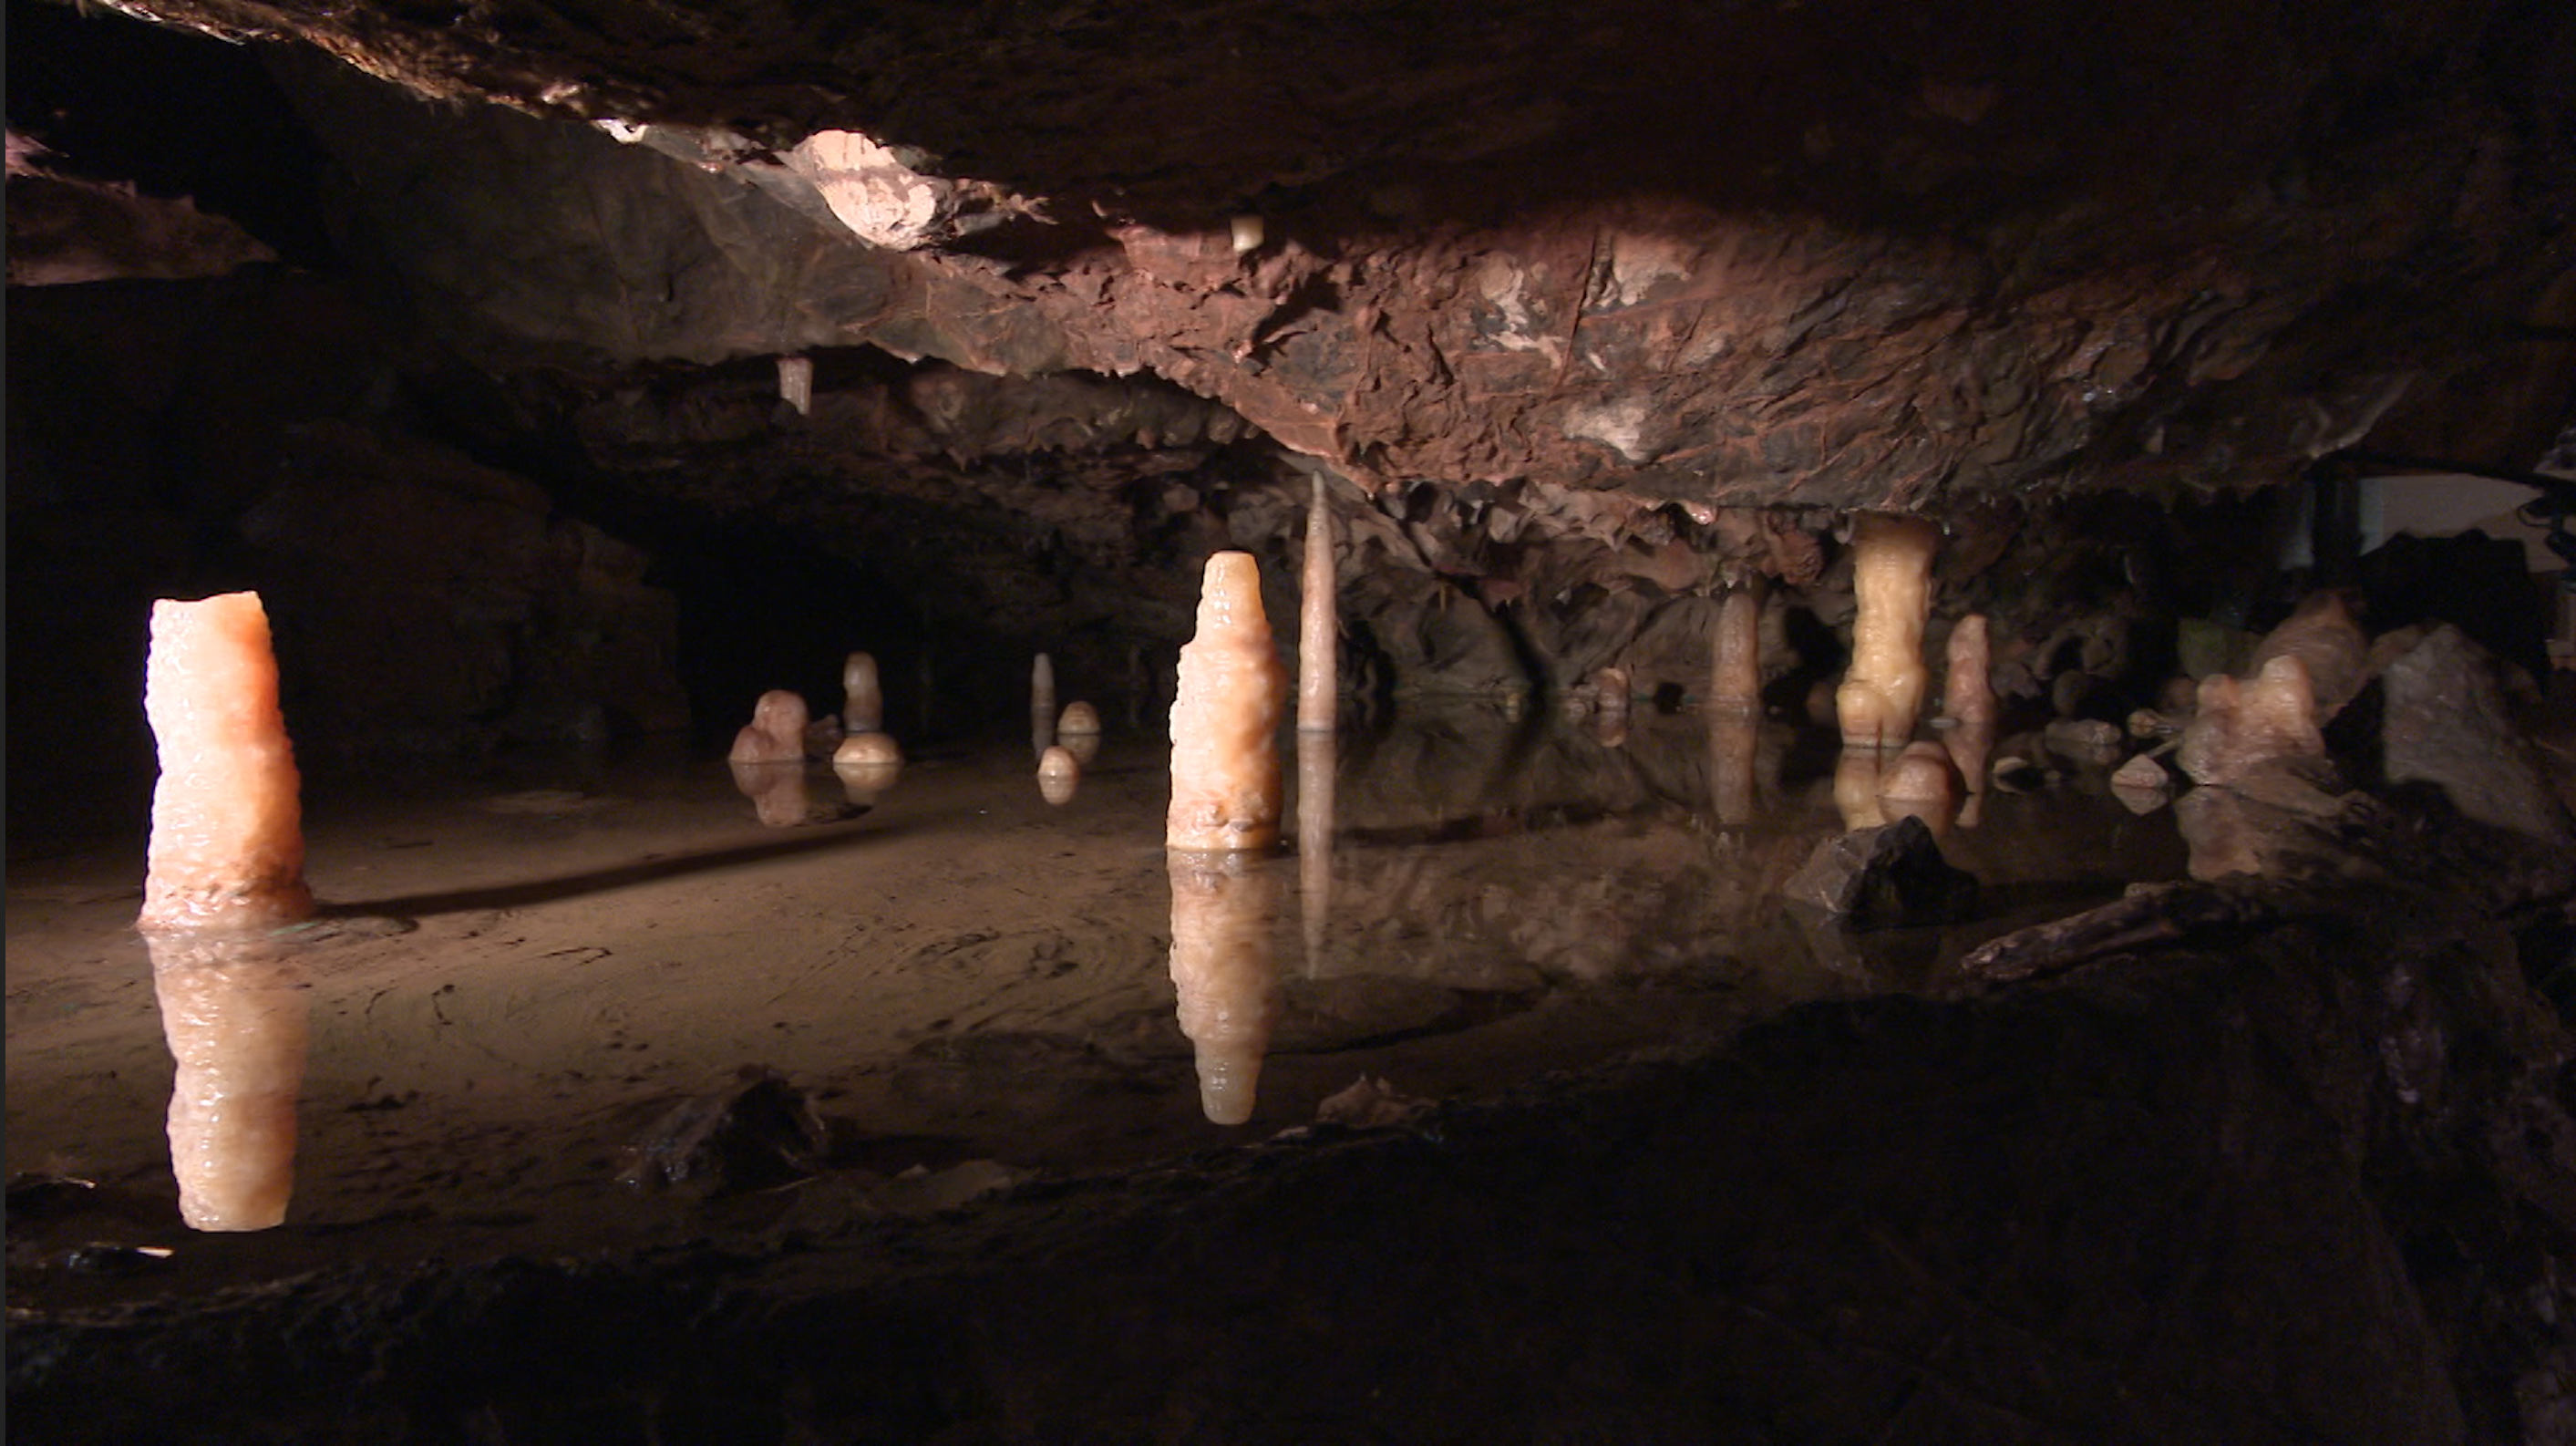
(1315, 765)
(1735, 655)
(227, 847)
(1225, 715)
(776, 732)
(1223, 905)
(236, 1018)
(1968, 701)
(1319, 640)
(1059, 774)
(1882, 692)
(863, 705)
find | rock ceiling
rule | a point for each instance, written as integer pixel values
(1831, 254)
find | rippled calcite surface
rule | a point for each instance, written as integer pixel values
(236, 1018)
(1223, 905)
(1225, 718)
(227, 847)
(862, 694)
(1967, 678)
(776, 733)
(1319, 640)
(2323, 635)
(1882, 693)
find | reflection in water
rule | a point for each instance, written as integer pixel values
(1734, 749)
(1971, 742)
(865, 782)
(1315, 765)
(1920, 783)
(1856, 780)
(234, 1013)
(777, 791)
(1222, 907)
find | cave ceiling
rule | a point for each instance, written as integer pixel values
(1827, 255)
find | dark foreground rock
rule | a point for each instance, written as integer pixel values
(2312, 1181)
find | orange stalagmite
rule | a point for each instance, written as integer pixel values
(227, 845)
(1226, 790)
(1319, 623)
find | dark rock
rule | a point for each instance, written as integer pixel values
(761, 1131)
(1884, 878)
(2447, 723)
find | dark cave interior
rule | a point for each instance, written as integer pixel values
(462, 333)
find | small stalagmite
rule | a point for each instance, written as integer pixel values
(1921, 782)
(1225, 715)
(863, 705)
(1882, 692)
(236, 1018)
(1042, 703)
(1079, 731)
(1735, 655)
(2243, 724)
(1319, 641)
(1226, 981)
(227, 847)
(776, 733)
(1967, 677)
(868, 750)
(1059, 774)
(2323, 635)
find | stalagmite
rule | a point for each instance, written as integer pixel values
(2322, 634)
(1882, 693)
(1059, 774)
(236, 1019)
(1079, 731)
(227, 847)
(1921, 783)
(1735, 655)
(776, 733)
(863, 706)
(1967, 678)
(868, 750)
(1042, 703)
(2244, 724)
(1316, 761)
(1318, 623)
(796, 383)
(1223, 905)
(1225, 713)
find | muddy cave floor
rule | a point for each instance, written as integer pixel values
(1695, 1166)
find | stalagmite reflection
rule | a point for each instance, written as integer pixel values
(1734, 746)
(1856, 779)
(1920, 782)
(1316, 758)
(1223, 904)
(777, 791)
(235, 1015)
